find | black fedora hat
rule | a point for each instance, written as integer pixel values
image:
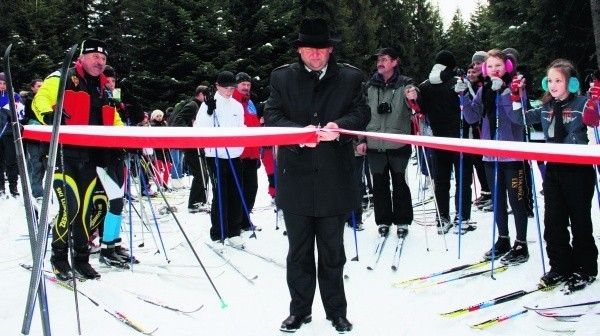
(314, 33)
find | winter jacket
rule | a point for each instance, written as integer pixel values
(318, 181)
(6, 114)
(229, 113)
(396, 122)
(186, 115)
(509, 127)
(250, 120)
(575, 129)
(441, 104)
(85, 103)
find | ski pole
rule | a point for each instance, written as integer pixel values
(355, 238)
(537, 215)
(460, 174)
(495, 202)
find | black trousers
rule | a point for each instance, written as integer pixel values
(226, 199)
(328, 233)
(391, 207)
(511, 180)
(568, 193)
(9, 156)
(249, 186)
(198, 188)
(445, 162)
(82, 204)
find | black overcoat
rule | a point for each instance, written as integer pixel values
(318, 181)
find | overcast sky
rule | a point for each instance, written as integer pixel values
(448, 7)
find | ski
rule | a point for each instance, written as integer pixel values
(464, 276)
(259, 255)
(495, 301)
(566, 316)
(398, 253)
(221, 253)
(563, 306)
(163, 304)
(114, 313)
(378, 251)
(39, 231)
(496, 320)
(423, 202)
(558, 329)
(436, 274)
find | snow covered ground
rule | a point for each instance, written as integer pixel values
(258, 307)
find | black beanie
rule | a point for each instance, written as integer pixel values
(110, 72)
(242, 77)
(226, 79)
(446, 58)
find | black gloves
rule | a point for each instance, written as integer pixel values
(49, 118)
(211, 103)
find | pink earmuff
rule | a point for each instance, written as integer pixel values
(508, 65)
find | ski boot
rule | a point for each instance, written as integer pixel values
(81, 265)
(109, 257)
(402, 230)
(517, 255)
(383, 229)
(60, 264)
(444, 225)
(123, 252)
(501, 247)
(552, 278)
(577, 281)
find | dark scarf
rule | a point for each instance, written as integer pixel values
(559, 127)
(488, 97)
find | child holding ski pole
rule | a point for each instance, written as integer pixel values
(568, 188)
(492, 104)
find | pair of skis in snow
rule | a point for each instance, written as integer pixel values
(381, 240)
(222, 252)
(113, 312)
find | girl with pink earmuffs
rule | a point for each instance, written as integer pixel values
(492, 105)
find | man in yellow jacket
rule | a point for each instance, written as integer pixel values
(80, 197)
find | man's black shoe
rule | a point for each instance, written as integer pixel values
(293, 323)
(341, 324)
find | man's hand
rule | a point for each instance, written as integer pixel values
(328, 135)
(411, 93)
(594, 91)
(311, 144)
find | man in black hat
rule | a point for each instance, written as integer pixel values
(226, 208)
(388, 95)
(441, 104)
(82, 202)
(316, 182)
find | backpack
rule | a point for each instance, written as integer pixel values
(174, 116)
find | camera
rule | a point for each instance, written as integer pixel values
(384, 108)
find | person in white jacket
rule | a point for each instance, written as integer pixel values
(226, 210)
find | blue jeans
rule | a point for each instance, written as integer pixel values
(177, 168)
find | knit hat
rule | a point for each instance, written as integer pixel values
(2, 77)
(479, 56)
(511, 51)
(156, 113)
(110, 72)
(446, 58)
(226, 79)
(242, 77)
(92, 45)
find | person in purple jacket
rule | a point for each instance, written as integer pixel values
(492, 105)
